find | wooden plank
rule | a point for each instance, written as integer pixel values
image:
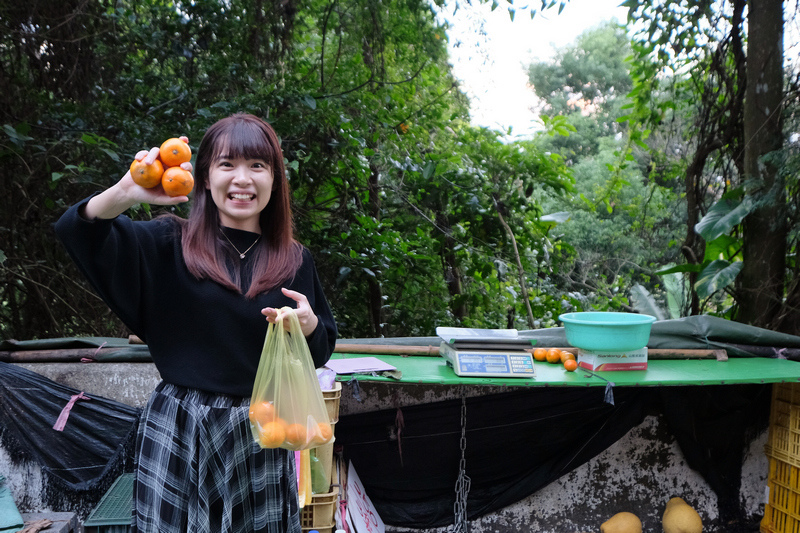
(652, 353)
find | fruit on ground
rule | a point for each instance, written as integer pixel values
(622, 523)
(177, 182)
(680, 517)
(147, 176)
(174, 151)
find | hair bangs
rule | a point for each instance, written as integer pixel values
(246, 140)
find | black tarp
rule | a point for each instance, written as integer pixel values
(94, 444)
(518, 442)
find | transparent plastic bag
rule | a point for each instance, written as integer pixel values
(287, 409)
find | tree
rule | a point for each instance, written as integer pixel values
(738, 85)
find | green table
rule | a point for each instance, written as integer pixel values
(662, 372)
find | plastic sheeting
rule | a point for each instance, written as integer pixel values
(97, 433)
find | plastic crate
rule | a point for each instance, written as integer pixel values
(786, 392)
(332, 398)
(783, 440)
(113, 513)
(320, 513)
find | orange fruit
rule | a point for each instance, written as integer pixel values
(324, 433)
(296, 435)
(262, 413)
(540, 354)
(271, 435)
(177, 182)
(147, 176)
(565, 355)
(571, 365)
(553, 355)
(174, 151)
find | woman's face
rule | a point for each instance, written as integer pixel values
(241, 189)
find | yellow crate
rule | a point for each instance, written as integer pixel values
(787, 392)
(332, 398)
(777, 521)
(320, 513)
(783, 441)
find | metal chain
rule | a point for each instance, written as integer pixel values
(460, 523)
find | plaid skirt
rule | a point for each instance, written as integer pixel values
(199, 470)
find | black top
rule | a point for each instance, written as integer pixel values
(200, 334)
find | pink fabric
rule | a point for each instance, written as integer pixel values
(62, 418)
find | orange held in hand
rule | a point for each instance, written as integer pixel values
(174, 151)
(177, 182)
(147, 176)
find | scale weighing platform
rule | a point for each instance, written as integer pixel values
(489, 363)
(491, 353)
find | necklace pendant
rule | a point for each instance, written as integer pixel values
(241, 256)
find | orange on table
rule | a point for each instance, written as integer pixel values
(571, 365)
(147, 176)
(565, 355)
(174, 151)
(540, 354)
(553, 355)
(177, 182)
(272, 434)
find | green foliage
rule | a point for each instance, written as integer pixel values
(397, 197)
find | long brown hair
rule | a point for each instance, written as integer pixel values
(278, 255)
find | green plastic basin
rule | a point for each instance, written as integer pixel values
(598, 331)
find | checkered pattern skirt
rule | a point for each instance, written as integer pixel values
(199, 470)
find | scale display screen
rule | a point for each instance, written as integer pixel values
(492, 364)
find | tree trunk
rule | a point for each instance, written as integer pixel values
(761, 282)
(452, 274)
(375, 291)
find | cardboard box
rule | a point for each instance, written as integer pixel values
(599, 361)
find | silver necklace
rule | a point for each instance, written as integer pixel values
(241, 254)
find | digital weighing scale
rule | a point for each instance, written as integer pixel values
(486, 353)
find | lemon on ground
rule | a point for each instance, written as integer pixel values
(680, 517)
(622, 523)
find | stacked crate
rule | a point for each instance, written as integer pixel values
(320, 513)
(782, 511)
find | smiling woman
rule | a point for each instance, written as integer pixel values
(223, 271)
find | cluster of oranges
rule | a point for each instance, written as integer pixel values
(275, 432)
(556, 356)
(166, 170)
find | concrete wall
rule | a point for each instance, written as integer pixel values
(639, 473)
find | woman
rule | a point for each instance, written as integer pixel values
(195, 291)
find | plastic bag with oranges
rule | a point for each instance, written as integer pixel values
(287, 409)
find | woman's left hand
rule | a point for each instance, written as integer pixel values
(305, 315)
